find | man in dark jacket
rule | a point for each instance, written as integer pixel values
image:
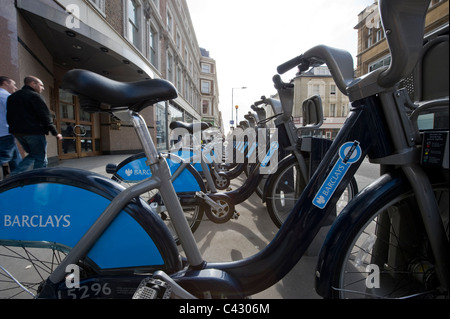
(29, 121)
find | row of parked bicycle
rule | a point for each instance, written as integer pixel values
(278, 160)
(69, 233)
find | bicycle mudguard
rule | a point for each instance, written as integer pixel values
(135, 169)
(58, 206)
(329, 257)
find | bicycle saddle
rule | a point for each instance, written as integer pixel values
(94, 89)
(189, 126)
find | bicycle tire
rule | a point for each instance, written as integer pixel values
(286, 186)
(386, 253)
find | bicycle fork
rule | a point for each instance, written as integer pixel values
(404, 142)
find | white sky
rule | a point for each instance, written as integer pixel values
(250, 38)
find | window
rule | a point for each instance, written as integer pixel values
(179, 78)
(205, 107)
(369, 38)
(206, 87)
(178, 42)
(169, 67)
(386, 61)
(169, 22)
(206, 68)
(153, 42)
(186, 88)
(99, 5)
(344, 110)
(333, 89)
(380, 34)
(333, 110)
(161, 126)
(321, 70)
(133, 23)
(316, 89)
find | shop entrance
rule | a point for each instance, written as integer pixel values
(77, 128)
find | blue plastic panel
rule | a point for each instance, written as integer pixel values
(62, 214)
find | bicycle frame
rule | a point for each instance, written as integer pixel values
(297, 232)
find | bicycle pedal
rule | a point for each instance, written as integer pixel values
(236, 215)
(150, 288)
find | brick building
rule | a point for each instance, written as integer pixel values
(318, 81)
(373, 51)
(125, 40)
(209, 90)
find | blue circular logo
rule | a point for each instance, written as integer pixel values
(350, 152)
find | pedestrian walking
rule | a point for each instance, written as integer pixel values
(29, 121)
(9, 152)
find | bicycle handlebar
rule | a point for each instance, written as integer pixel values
(339, 62)
(403, 22)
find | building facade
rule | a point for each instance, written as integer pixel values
(373, 50)
(209, 91)
(318, 81)
(125, 40)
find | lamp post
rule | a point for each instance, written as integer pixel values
(233, 106)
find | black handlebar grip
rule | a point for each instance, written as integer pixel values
(286, 66)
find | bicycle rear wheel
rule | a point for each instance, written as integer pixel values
(388, 254)
(287, 185)
(25, 267)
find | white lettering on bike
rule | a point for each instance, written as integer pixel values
(36, 221)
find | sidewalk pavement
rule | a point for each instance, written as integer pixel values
(236, 239)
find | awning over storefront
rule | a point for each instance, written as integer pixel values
(99, 49)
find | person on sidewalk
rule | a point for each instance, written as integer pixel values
(9, 152)
(29, 121)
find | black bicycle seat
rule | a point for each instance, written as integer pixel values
(189, 126)
(94, 89)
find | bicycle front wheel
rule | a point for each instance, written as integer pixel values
(286, 187)
(388, 254)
